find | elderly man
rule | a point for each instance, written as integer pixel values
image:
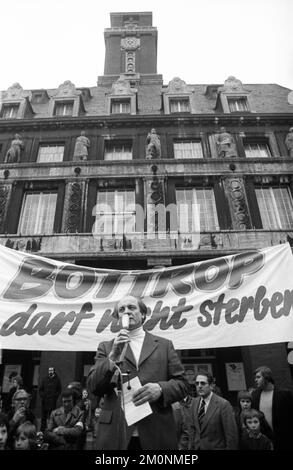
(154, 361)
(20, 412)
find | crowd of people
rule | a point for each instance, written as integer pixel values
(186, 412)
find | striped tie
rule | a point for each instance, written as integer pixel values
(201, 412)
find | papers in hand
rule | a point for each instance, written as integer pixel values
(134, 413)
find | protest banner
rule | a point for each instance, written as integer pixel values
(242, 299)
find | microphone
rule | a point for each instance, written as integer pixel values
(125, 325)
(125, 321)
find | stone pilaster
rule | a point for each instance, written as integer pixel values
(73, 206)
(5, 193)
(235, 192)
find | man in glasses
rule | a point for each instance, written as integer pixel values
(21, 411)
(213, 422)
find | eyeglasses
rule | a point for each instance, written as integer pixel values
(21, 399)
(201, 383)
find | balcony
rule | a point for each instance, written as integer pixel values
(207, 244)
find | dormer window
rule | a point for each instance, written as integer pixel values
(63, 108)
(238, 104)
(233, 97)
(120, 106)
(9, 111)
(179, 105)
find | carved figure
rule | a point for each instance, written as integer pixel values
(153, 145)
(13, 153)
(225, 144)
(81, 147)
(289, 142)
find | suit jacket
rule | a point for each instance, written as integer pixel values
(282, 416)
(158, 363)
(219, 429)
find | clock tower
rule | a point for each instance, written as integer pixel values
(131, 45)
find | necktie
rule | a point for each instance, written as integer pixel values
(201, 412)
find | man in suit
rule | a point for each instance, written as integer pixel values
(213, 423)
(154, 361)
(277, 406)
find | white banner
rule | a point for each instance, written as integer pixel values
(243, 299)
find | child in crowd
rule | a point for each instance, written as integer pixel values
(4, 426)
(244, 404)
(253, 438)
(26, 437)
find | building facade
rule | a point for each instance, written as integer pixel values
(133, 141)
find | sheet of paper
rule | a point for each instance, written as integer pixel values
(134, 413)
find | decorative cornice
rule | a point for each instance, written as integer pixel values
(152, 120)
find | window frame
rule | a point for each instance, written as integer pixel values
(213, 216)
(59, 103)
(23, 209)
(233, 99)
(257, 141)
(48, 145)
(120, 101)
(188, 141)
(116, 216)
(5, 106)
(273, 203)
(116, 143)
(178, 100)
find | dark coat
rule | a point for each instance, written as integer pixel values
(282, 416)
(50, 389)
(218, 430)
(158, 363)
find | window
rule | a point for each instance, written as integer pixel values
(10, 111)
(50, 153)
(237, 105)
(275, 207)
(188, 149)
(120, 106)
(115, 212)
(38, 213)
(64, 108)
(118, 150)
(196, 210)
(179, 105)
(257, 150)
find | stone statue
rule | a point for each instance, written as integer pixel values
(153, 145)
(13, 153)
(81, 147)
(289, 142)
(226, 146)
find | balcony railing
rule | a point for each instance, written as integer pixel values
(85, 244)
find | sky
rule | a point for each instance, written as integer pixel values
(45, 42)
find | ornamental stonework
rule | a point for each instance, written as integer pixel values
(67, 89)
(73, 207)
(234, 188)
(130, 43)
(5, 191)
(14, 92)
(177, 86)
